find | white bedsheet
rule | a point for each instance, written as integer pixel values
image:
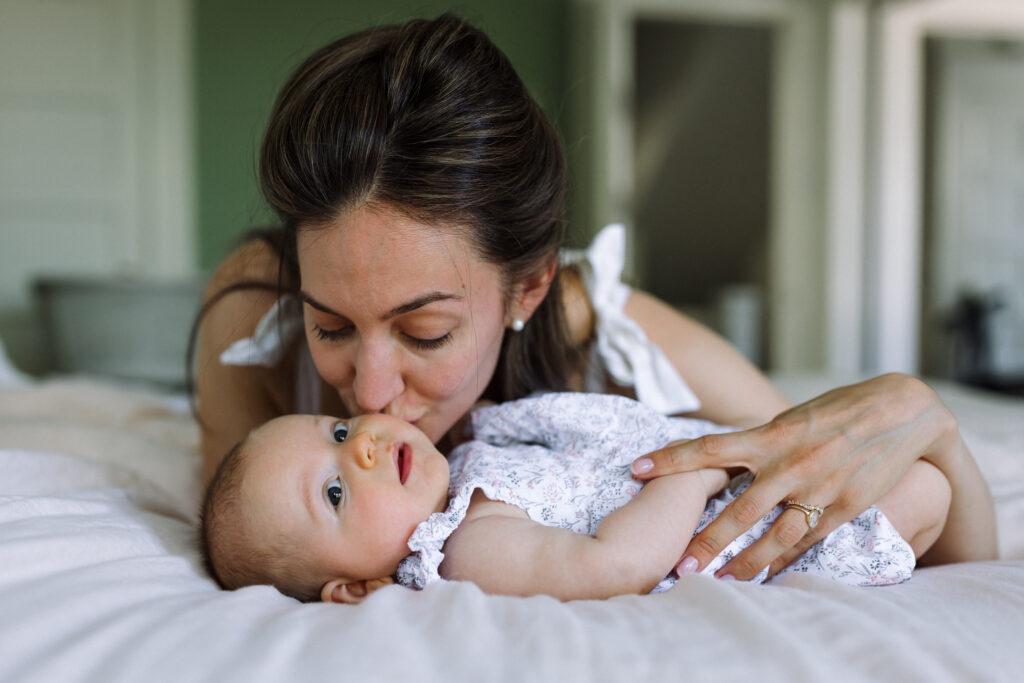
(100, 580)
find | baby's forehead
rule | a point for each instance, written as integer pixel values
(287, 424)
(281, 435)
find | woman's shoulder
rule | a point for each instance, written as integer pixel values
(241, 289)
(579, 309)
(233, 400)
(252, 261)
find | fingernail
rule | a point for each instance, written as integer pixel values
(727, 577)
(643, 465)
(687, 566)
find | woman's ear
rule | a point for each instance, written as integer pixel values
(351, 592)
(531, 291)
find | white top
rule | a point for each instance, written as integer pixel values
(563, 458)
(622, 349)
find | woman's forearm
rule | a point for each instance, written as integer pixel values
(843, 450)
(731, 389)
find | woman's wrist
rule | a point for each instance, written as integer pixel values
(946, 449)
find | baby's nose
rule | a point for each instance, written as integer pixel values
(366, 447)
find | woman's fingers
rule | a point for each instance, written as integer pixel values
(738, 517)
(788, 537)
(711, 450)
(845, 449)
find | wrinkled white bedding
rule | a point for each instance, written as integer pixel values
(100, 580)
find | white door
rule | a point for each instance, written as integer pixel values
(95, 144)
(977, 231)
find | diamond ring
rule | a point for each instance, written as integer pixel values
(812, 512)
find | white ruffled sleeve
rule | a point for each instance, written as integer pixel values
(274, 334)
(622, 346)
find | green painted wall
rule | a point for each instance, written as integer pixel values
(246, 50)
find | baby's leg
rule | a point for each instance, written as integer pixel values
(918, 505)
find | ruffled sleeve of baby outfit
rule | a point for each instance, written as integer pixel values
(420, 568)
(623, 348)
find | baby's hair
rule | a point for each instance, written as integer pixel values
(233, 555)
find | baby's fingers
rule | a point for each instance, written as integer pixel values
(711, 450)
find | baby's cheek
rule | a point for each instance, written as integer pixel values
(387, 519)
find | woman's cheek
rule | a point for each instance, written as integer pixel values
(440, 380)
(466, 371)
(332, 366)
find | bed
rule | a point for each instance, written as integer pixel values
(100, 580)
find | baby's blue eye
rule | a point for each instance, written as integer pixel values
(334, 492)
(340, 432)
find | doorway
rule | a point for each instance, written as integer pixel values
(973, 277)
(701, 131)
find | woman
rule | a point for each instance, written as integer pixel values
(420, 191)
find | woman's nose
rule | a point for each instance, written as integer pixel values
(378, 378)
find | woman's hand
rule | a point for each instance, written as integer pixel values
(842, 451)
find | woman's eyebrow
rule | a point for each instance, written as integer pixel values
(317, 305)
(419, 302)
(401, 309)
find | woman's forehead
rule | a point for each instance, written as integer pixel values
(389, 258)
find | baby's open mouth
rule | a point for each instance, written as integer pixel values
(404, 462)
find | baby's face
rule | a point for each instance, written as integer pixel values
(349, 493)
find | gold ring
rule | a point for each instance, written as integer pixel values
(812, 512)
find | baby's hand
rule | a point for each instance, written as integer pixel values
(715, 479)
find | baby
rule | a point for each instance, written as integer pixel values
(540, 501)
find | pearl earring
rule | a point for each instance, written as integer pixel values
(518, 324)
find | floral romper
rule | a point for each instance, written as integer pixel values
(564, 459)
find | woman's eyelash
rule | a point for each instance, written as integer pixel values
(330, 335)
(420, 344)
(430, 344)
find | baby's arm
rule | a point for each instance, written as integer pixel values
(501, 550)
(919, 507)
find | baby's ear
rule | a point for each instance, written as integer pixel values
(351, 592)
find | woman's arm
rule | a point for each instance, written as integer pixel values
(501, 550)
(234, 400)
(732, 391)
(843, 450)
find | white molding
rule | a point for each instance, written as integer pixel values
(796, 241)
(894, 334)
(164, 30)
(846, 194)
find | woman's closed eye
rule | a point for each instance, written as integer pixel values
(429, 344)
(323, 334)
(334, 491)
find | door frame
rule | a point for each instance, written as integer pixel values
(894, 263)
(796, 245)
